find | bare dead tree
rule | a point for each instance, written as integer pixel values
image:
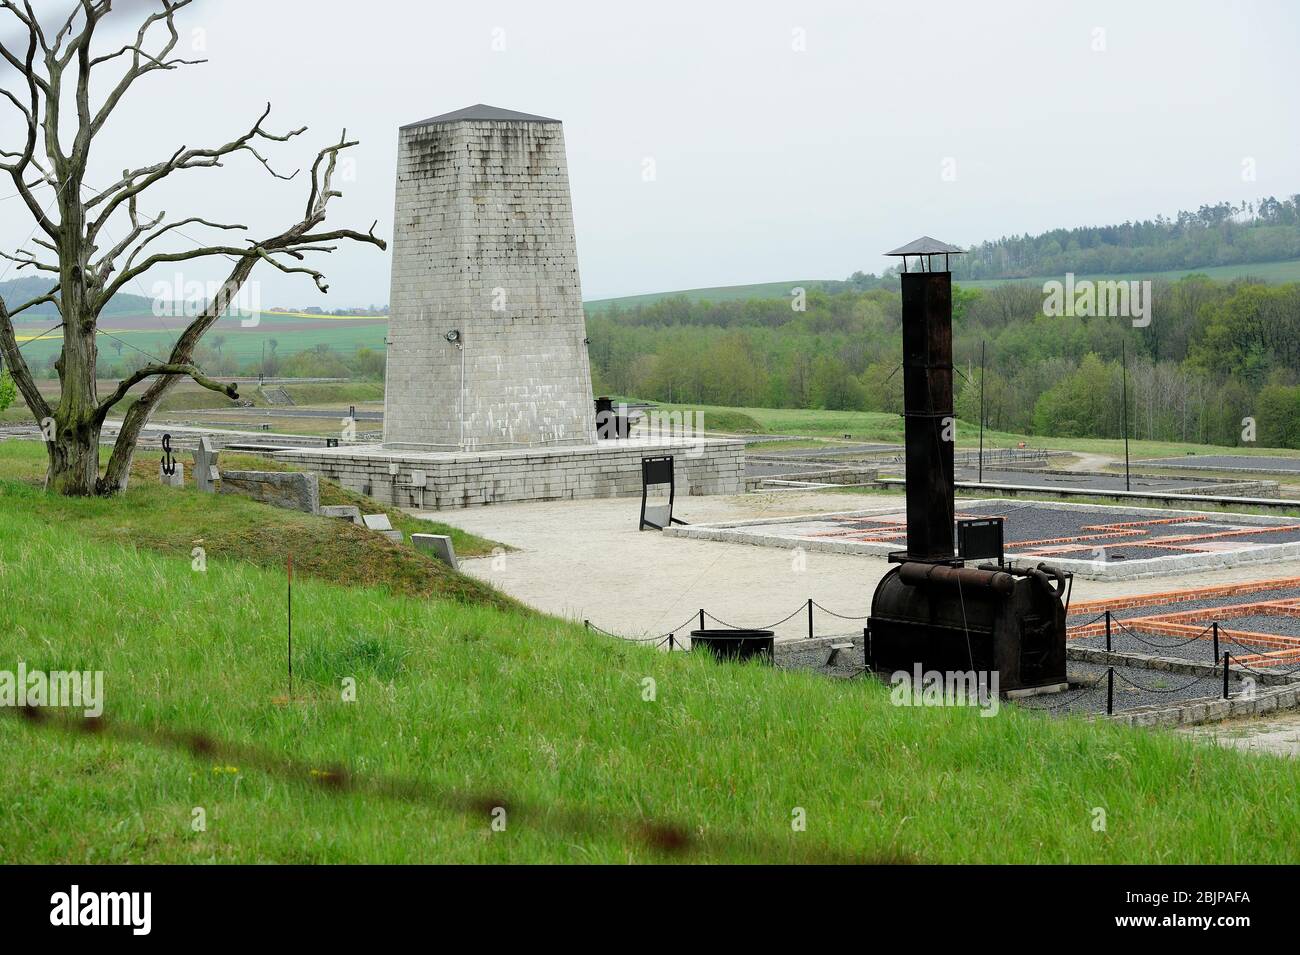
(70, 238)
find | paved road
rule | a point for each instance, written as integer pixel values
(566, 550)
(1278, 735)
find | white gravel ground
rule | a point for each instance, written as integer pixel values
(586, 559)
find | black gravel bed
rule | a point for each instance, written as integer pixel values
(1155, 645)
(1107, 553)
(1087, 693)
(1039, 521)
(1208, 462)
(1261, 537)
(1202, 604)
(1260, 623)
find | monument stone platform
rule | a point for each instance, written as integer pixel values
(438, 480)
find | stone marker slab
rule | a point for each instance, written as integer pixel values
(380, 524)
(437, 546)
(296, 491)
(175, 479)
(206, 474)
(347, 512)
(377, 522)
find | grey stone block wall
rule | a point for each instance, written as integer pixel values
(483, 205)
(295, 491)
(607, 469)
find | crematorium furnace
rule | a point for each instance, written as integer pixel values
(931, 609)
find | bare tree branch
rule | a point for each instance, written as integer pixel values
(153, 236)
(151, 63)
(50, 296)
(137, 181)
(168, 370)
(18, 369)
(35, 86)
(26, 260)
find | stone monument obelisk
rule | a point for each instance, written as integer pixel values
(486, 336)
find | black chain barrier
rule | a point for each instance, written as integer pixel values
(703, 614)
(1088, 623)
(1161, 646)
(831, 612)
(1236, 640)
(1152, 689)
(1079, 694)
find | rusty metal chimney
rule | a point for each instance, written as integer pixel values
(929, 424)
(931, 611)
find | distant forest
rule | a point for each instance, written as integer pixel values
(1214, 354)
(1224, 234)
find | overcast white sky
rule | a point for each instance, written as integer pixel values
(772, 163)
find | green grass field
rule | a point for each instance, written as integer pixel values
(247, 345)
(466, 702)
(719, 293)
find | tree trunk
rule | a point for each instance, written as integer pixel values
(118, 472)
(74, 446)
(74, 459)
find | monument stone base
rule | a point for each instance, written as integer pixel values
(439, 480)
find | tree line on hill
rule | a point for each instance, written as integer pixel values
(1221, 234)
(1214, 355)
(1226, 233)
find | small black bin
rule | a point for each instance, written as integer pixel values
(735, 644)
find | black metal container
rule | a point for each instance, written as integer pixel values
(960, 620)
(610, 426)
(735, 644)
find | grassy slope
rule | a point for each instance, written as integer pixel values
(172, 523)
(530, 711)
(332, 392)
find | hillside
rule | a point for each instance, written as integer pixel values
(720, 293)
(1272, 273)
(17, 291)
(1223, 234)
